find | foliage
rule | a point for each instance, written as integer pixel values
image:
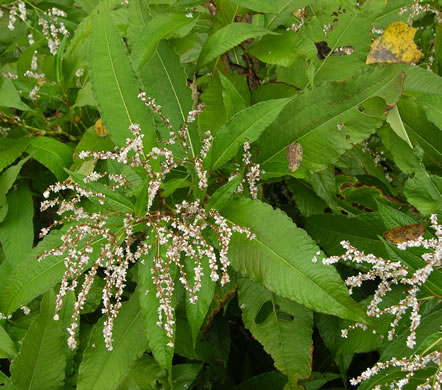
(183, 173)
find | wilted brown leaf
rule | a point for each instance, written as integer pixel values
(396, 45)
(100, 130)
(401, 234)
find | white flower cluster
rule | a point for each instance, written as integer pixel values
(392, 273)
(108, 239)
(252, 175)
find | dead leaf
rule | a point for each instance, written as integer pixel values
(100, 130)
(401, 234)
(396, 45)
(294, 156)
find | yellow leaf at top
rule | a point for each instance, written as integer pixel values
(100, 130)
(396, 45)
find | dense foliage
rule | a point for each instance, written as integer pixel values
(216, 195)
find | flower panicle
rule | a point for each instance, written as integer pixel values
(107, 239)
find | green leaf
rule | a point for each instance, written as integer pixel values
(283, 327)
(270, 380)
(160, 27)
(113, 198)
(423, 191)
(7, 347)
(246, 125)
(395, 121)
(103, 369)
(419, 81)
(223, 194)
(421, 131)
(139, 16)
(31, 278)
(157, 337)
(41, 361)
(196, 312)
(17, 230)
(308, 202)
(280, 258)
(361, 231)
(432, 105)
(53, 154)
(323, 184)
(312, 119)
(165, 81)
(85, 96)
(283, 49)
(184, 374)
(11, 149)
(115, 85)
(7, 179)
(9, 96)
(145, 373)
(227, 38)
(233, 101)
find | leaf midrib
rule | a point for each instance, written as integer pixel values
(115, 346)
(235, 140)
(322, 124)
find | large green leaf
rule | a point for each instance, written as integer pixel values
(17, 230)
(361, 231)
(115, 85)
(432, 105)
(246, 125)
(7, 347)
(160, 27)
(156, 336)
(312, 120)
(53, 154)
(421, 131)
(9, 96)
(139, 16)
(41, 361)
(11, 149)
(103, 369)
(280, 258)
(283, 327)
(31, 278)
(423, 191)
(227, 38)
(7, 179)
(165, 81)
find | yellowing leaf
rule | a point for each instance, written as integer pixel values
(396, 45)
(100, 129)
(401, 234)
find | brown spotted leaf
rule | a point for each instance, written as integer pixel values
(401, 234)
(396, 45)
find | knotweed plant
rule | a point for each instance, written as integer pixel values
(395, 273)
(114, 233)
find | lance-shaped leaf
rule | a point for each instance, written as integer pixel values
(329, 120)
(280, 258)
(7, 179)
(7, 347)
(103, 369)
(160, 27)
(11, 149)
(17, 231)
(227, 38)
(246, 125)
(165, 81)
(31, 278)
(115, 85)
(41, 361)
(283, 327)
(53, 154)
